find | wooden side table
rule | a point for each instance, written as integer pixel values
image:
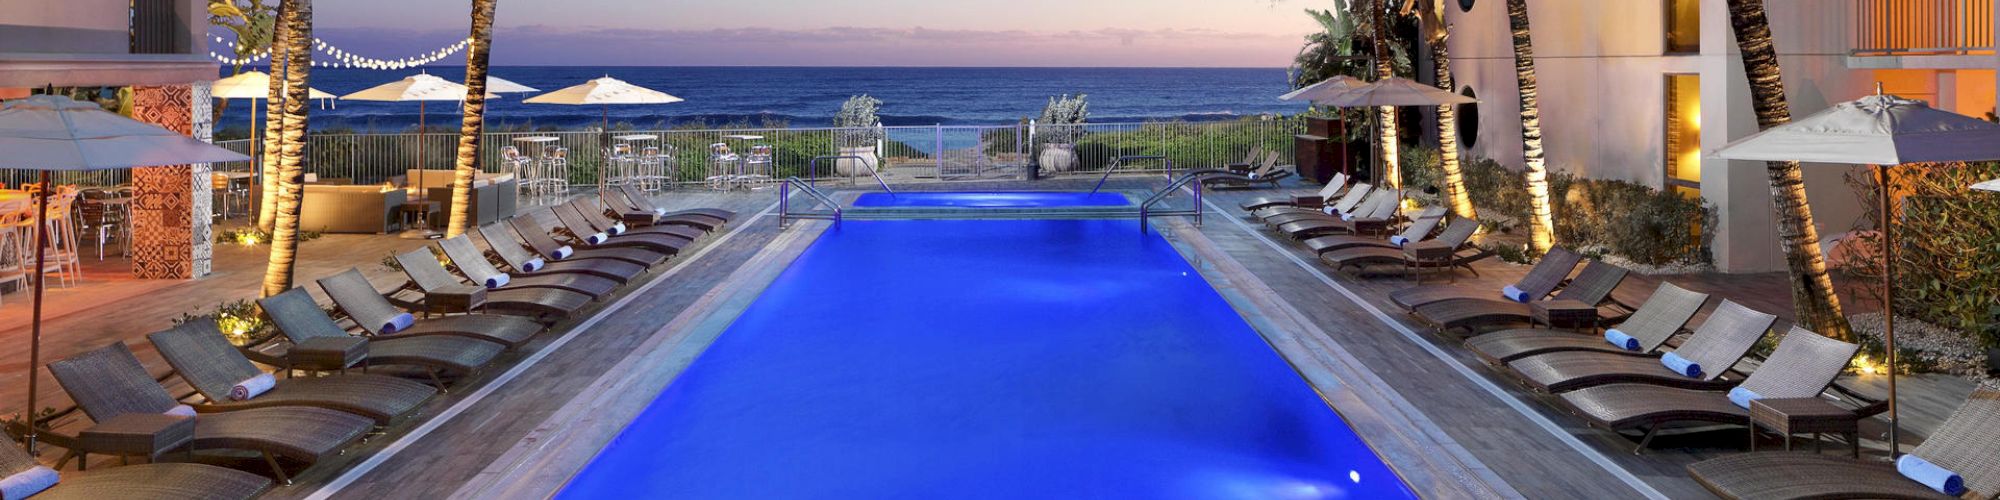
(1563, 313)
(144, 434)
(1804, 415)
(460, 298)
(329, 354)
(1417, 255)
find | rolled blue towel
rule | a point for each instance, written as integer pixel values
(596, 239)
(1929, 474)
(252, 387)
(27, 483)
(1515, 294)
(617, 229)
(180, 411)
(1622, 340)
(1742, 397)
(498, 280)
(1327, 209)
(397, 323)
(564, 252)
(1681, 365)
(532, 265)
(1398, 240)
(1347, 216)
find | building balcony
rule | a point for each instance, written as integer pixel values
(1915, 34)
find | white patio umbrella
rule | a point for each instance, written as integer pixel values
(1883, 131)
(422, 88)
(498, 85)
(1394, 92)
(255, 86)
(1324, 89)
(50, 133)
(605, 92)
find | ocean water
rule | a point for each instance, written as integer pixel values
(808, 97)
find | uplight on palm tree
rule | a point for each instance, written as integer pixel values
(474, 123)
(1541, 219)
(291, 150)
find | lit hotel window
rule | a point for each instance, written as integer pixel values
(1683, 26)
(1683, 151)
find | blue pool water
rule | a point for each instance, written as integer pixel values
(993, 199)
(988, 359)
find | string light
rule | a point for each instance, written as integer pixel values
(340, 58)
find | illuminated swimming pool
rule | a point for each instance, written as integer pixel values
(993, 199)
(988, 359)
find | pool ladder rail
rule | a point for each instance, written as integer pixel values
(785, 213)
(812, 168)
(1195, 178)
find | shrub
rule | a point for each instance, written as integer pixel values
(858, 115)
(240, 321)
(1064, 116)
(1640, 223)
(1947, 251)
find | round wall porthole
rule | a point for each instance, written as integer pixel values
(1465, 5)
(1468, 119)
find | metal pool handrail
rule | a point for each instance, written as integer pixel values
(1121, 161)
(812, 169)
(1194, 177)
(785, 214)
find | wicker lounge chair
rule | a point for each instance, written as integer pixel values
(431, 279)
(640, 201)
(1803, 365)
(305, 324)
(1451, 248)
(374, 314)
(1267, 176)
(1728, 335)
(1663, 315)
(1965, 444)
(619, 206)
(1354, 197)
(1420, 228)
(1376, 213)
(518, 259)
(584, 234)
(1541, 280)
(545, 244)
(1326, 195)
(109, 382)
(1591, 287)
(472, 264)
(205, 360)
(164, 481)
(593, 216)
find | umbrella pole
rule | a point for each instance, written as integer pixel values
(35, 331)
(1882, 176)
(604, 144)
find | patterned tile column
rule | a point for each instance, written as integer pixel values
(170, 215)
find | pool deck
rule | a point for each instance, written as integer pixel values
(1457, 428)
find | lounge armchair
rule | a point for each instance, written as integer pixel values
(624, 210)
(472, 264)
(1663, 315)
(1361, 195)
(1591, 287)
(1267, 176)
(432, 280)
(1718, 344)
(591, 236)
(373, 313)
(301, 320)
(1325, 196)
(1966, 444)
(163, 481)
(108, 382)
(1376, 213)
(1249, 160)
(520, 261)
(205, 360)
(1804, 364)
(594, 216)
(544, 243)
(639, 200)
(1541, 280)
(1451, 248)
(1420, 228)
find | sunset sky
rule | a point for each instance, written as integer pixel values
(1166, 33)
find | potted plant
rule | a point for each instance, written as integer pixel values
(1060, 127)
(859, 135)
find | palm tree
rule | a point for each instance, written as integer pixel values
(1541, 220)
(274, 122)
(1812, 291)
(474, 123)
(285, 229)
(1391, 175)
(1436, 34)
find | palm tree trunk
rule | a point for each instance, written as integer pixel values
(274, 121)
(1447, 123)
(1541, 219)
(1392, 174)
(285, 227)
(1813, 298)
(474, 123)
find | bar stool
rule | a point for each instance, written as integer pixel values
(758, 166)
(722, 159)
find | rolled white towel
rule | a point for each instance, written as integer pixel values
(252, 387)
(498, 280)
(1327, 210)
(564, 252)
(399, 322)
(1347, 217)
(532, 265)
(596, 239)
(659, 211)
(180, 411)
(1398, 240)
(29, 482)
(617, 229)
